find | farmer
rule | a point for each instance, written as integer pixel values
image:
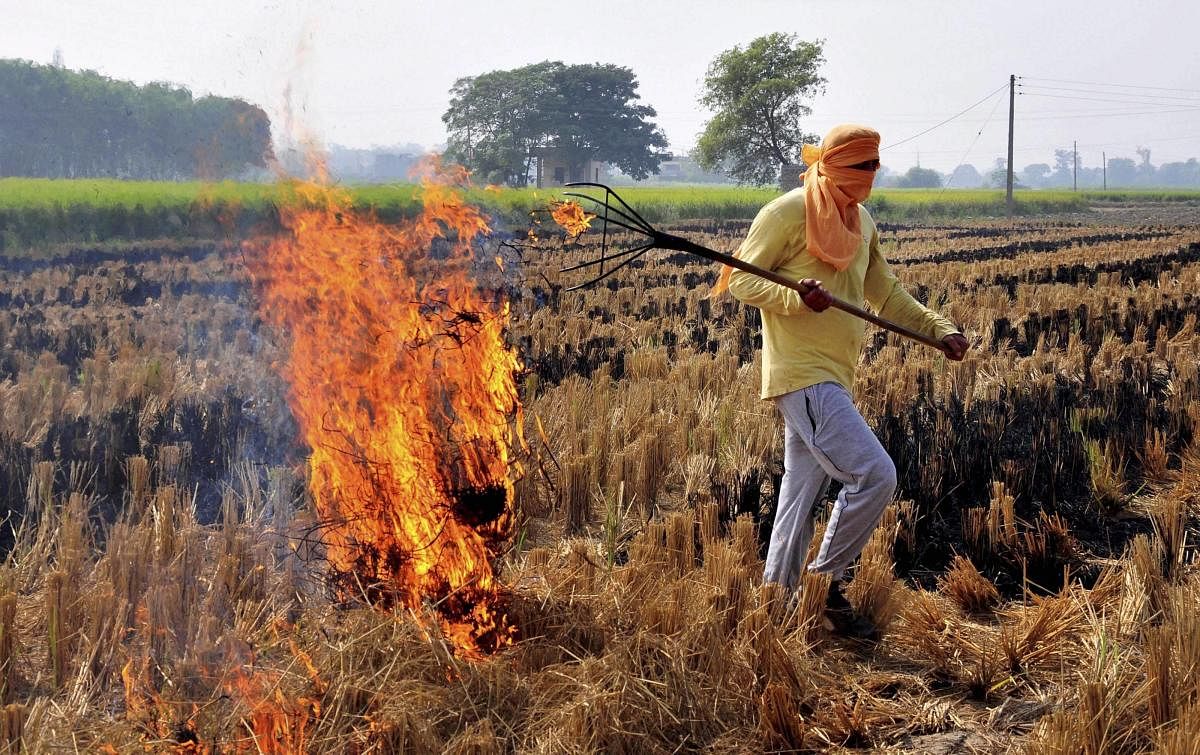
(820, 235)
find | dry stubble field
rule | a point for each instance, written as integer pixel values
(164, 588)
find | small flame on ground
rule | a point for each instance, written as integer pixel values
(404, 389)
(571, 216)
(277, 724)
(268, 720)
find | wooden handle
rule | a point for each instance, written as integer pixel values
(679, 244)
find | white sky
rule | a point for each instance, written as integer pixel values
(376, 73)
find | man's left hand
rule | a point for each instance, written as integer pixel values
(955, 346)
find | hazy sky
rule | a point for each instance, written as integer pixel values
(368, 73)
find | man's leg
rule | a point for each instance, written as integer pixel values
(803, 486)
(840, 440)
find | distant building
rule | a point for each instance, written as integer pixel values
(675, 168)
(671, 170)
(553, 169)
(374, 165)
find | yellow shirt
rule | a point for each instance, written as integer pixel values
(802, 347)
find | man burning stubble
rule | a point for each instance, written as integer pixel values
(819, 234)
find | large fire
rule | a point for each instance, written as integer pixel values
(404, 390)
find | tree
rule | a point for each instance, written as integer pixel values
(1122, 171)
(495, 122)
(1064, 167)
(499, 122)
(966, 176)
(1180, 173)
(920, 178)
(1145, 170)
(1035, 175)
(758, 97)
(57, 123)
(999, 175)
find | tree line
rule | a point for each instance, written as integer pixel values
(56, 123)
(1119, 172)
(65, 124)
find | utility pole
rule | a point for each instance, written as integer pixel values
(1104, 160)
(1012, 99)
(1075, 169)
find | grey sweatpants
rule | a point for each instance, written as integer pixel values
(824, 437)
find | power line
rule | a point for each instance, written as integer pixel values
(1146, 140)
(1049, 146)
(1120, 86)
(943, 123)
(1087, 99)
(1139, 95)
(1103, 114)
(1099, 99)
(950, 178)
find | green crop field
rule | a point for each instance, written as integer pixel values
(40, 212)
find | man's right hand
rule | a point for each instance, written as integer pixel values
(817, 299)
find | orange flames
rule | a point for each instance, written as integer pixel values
(269, 721)
(404, 390)
(278, 724)
(571, 216)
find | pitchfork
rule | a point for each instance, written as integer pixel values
(621, 215)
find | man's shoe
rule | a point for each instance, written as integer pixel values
(843, 620)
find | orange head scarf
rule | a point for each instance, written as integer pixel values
(833, 190)
(832, 193)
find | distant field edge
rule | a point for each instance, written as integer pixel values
(37, 212)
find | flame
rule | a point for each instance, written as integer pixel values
(571, 216)
(276, 723)
(404, 389)
(146, 709)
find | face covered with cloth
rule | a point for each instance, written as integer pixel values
(839, 177)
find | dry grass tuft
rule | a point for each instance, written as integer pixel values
(875, 590)
(1002, 517)
(8, 645)
(12, 727)
(950, 649)
(970, 590)
(1144, 599)
(929, 634)
(1171, 517)
(1103, 714)
(1180, 738)
(57, 631)
(781, 725)
(1042, 639)
(577, 497)
(1155, 459)
(1106, 465)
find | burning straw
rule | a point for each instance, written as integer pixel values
(403, 386)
